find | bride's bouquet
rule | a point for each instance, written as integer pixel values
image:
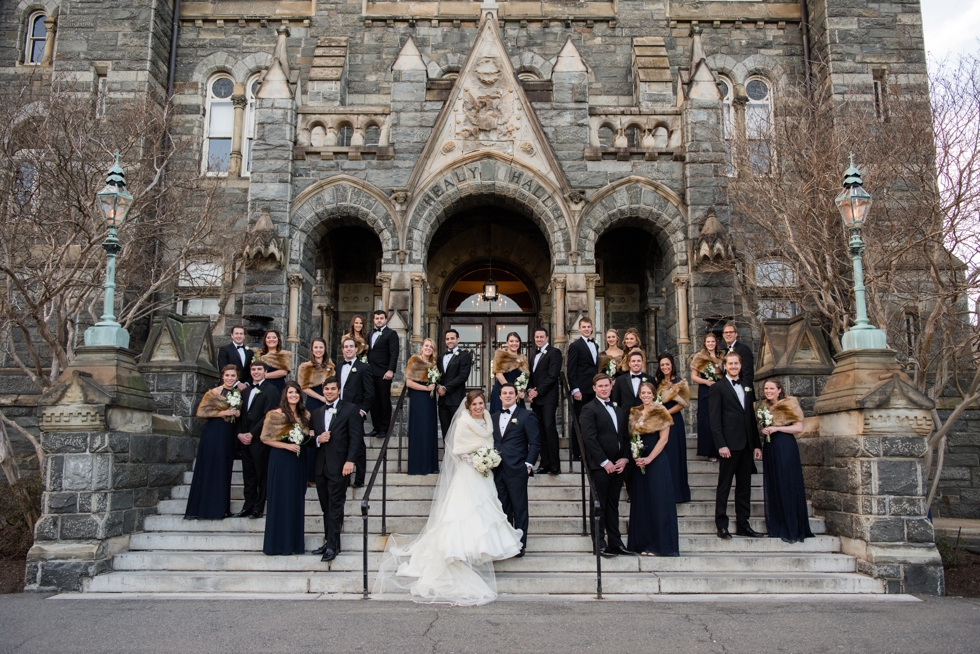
(234, 400)
(485, 459)
(636, 446)
(295, 435)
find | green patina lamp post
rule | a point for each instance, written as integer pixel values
(114, 201)
(854, 203)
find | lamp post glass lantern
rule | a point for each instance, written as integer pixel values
(854, 204)
(114, 201)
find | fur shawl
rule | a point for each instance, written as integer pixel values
(504, 362)
(679, 392)
(785, 411)
(604, 360)
(701, 360)
(275, 426)
(309, 375)
(211, 404)
(417, 369)
(624, 364)
(281, 360)
(362, 345)
(649, 421)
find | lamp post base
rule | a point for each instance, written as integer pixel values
(107, 333)
(853, 339)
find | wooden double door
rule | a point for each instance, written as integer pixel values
(482, 335)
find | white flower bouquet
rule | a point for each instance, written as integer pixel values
(611, 369)
(295, 435)
(764, 417)
(433, 376)
(636, 446)
(710, 373)
(485, 459)
(520, 384)
(234, 400)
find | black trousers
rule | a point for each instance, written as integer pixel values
(360, 466)
(512, 493)
(446, 413)
(381, 405)
(740, 468)
(332, 493)
(577, 409)
(547, 419)
(255, 468)
(608, 486)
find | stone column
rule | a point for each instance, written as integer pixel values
(432, 320)
(558, 286)
(384, 279)
(239, 101)
(417, 337)
(590, 282)
(325, 323)
(680, 283)
(295, 284)
(50, 27)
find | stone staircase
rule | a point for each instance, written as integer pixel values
(177, 556)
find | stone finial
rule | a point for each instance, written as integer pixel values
(569, 60)
(702, 85)
(264, 248)
(409, 58)
(714, 244)
(275, 82)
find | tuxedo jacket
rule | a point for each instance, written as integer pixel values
(546, 376)
(581, 368)
(454, 377)
(383, 355)
(346, 439)
(748, 361)
(519, 444)
(251, 419)
(228, 354)
(732, 426)
(603, 441)
(622, 392)
(359, 389)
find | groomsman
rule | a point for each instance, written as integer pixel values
(383, 359)
(732, 344)
(626, 390)
(543, 395)
(736, 436)
(583, 364)
(455, 366)
(357, 388)
(515, 436)
(605, 430)
(235, 353)
(339, 431)
(258, 400)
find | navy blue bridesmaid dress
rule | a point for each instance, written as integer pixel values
(706, 442)
(286, 502)
(495, 403)
(210, 494)
(279, 383)
(784, 492)
(653, 510)
(676, 452)
(312, 404)
(423, 441)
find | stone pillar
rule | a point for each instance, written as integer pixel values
(384, 278)
(325, 310)
(432, 320)
(866, 474)
(558, 290)
(239, 101)
(50, 27)
(590, 282)
(683, 322)
(417, 337)
(295, 284)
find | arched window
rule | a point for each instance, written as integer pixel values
(37, 34)
(344, 136)
(758, 114)
(727, 118)
(219, 116)
(633, 136)
(372, 137)
(248, 134)
(775, 280)
(606, 137)
(466, 295)
(318, 136)
(527, 76)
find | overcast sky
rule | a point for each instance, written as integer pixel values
(951, 27)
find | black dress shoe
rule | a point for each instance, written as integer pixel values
(554, 471)
(750, 532)
(724, 533)
(255, 514)
(542, 470)
(519, 554)
(372, 433)
(328, 556)
(355, 485)
(607, 554)
(320, 550)
(242, 514)
(622, 550)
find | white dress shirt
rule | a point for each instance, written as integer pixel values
(738, 390)
(327, 418)
(241, 353)
(251, 396)
(345, 372)
(611, 410)
(590, 343)
(537, 357)
(505, 418)
(447, 356)
(377, 332)
(635, 380)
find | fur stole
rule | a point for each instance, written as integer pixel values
(785, 411)
(624, 364)
(604, 360)
(504, 362)
(276, 426)
(679, 392)
(649, 421)
(417, 369)
(211, 404)
(701, 360)
(282, 360)
(309, 375)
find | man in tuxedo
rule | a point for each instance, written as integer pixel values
(605, 431)
(357, 388)
(626, 390)
(454, 364)
(542, 393)
(732, 344)
(583, 364)
(736, 435)
(258, 400)
(515, 436)
(383, 359)
(235, 353)
(339, 442)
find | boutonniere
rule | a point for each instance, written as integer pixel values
(513, 421)
(256, 391)
(615, 405)
(353, 369)
(748, 389)
(456, 353)
(333, 411)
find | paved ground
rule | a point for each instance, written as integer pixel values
(32, 623)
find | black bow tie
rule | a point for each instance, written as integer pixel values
(636, 376)
(590, 340)
(608, 404)
(378, 329)
(505, 411)
(240, 347)
(328, 407)
(347, 363)
(735, 382)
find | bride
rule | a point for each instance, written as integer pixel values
(451, 560)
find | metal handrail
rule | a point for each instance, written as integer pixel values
(365, 500)
(586, 474)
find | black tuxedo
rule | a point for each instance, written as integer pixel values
(359, 391)
(382, 357)
(580, 369)
(733, 426)
(255, 455)
(748, 361)
(228, 354)
(606, 441)
(454, 378)
(545, 377)
(518, 446)
(346, 445)
(622, 392)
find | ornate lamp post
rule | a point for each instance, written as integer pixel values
(854, 203)
(115, 202)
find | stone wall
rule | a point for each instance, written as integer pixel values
(958, 495)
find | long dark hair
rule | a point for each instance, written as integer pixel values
(326, 356)
(363, 326)
(301, 416)
(265, 348)
(518, 337)
(659, 377)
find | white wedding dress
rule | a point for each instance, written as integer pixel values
(451, 560)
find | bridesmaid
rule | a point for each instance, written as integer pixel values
(286, 496)
(423, 443)
(782, 472)
(277, 361)
(356, 331)
(705, 371)
(210, 494)
(610, 359)
(631, 341)
(653, 527)
(508, 365)
(310, 375)
(674, 394)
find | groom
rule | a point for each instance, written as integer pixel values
(516, 437)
